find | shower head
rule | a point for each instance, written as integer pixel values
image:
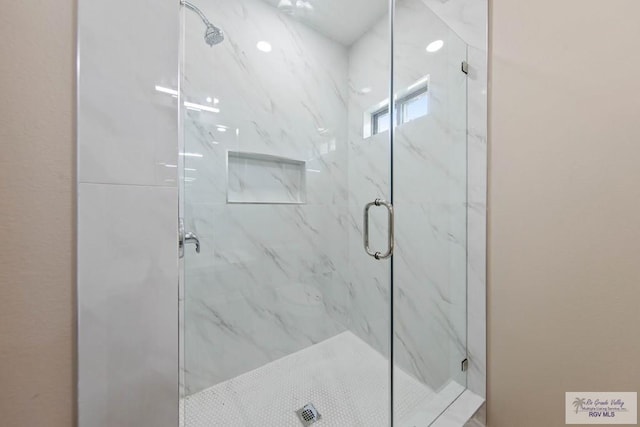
(212, 35)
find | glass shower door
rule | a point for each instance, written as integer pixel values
(285, 318)
(429, 195)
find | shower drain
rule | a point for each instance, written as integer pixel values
(308, 414)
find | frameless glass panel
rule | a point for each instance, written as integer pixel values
(282, 306)
(429, 195)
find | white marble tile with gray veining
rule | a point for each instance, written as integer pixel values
(270, 279)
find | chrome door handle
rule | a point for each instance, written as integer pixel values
(184, 238)
(391, 235)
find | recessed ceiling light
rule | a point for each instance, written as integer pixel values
(365, 90)
(209, 99)
(221, 129)
(264, 46)
(435, 46)
(286, 6)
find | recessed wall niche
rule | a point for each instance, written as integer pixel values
(264, 178)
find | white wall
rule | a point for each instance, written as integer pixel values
(564, 240)
(37, 214)
(127, 219)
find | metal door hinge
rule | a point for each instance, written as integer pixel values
(464, 365)
(465, 67)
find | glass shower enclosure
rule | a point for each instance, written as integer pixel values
(323, 196)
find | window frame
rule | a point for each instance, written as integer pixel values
(375, 119)
(401, 102)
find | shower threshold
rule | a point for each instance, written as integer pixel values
(346, 379)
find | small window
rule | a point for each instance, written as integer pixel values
(380, 121)
(413, 106)
(409, 107)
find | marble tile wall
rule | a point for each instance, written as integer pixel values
(270, 279)
(127, 225)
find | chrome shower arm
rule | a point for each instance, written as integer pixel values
(196, 10)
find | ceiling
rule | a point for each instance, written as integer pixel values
(344, 21)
